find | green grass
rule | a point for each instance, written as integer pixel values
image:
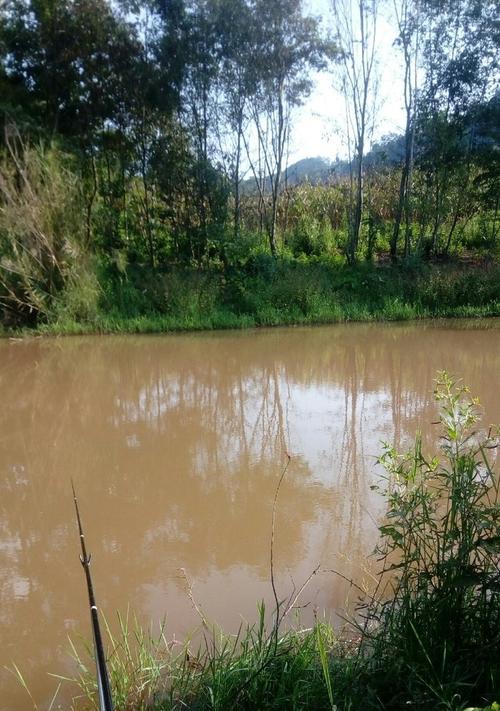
(426, 638)
(267, 292)
(250, 670)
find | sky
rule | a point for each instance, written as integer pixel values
(318, 125)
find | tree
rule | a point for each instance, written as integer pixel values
(69, 67)
(487, 180)
(237, 85)
(408, 18)
(460, 54)
(287, 46)
(69, 64)
(356, 35)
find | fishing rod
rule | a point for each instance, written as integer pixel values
(103, 685)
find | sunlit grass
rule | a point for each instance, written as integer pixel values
(284, 292)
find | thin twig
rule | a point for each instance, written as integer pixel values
(273, 531)
(191, 597)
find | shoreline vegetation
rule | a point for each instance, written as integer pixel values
(427, 637)
(267, 292)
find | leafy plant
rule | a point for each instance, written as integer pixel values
(438, 628)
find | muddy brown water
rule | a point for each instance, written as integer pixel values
(176, 444)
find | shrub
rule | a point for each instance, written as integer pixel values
(41, 224)
(438, 631)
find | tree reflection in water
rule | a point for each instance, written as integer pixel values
(176, 444)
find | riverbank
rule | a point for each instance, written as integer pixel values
(268, 292)
(311, 669)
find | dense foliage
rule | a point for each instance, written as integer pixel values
(169, 124)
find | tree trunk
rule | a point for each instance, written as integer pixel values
(237, 177)
(277, 178)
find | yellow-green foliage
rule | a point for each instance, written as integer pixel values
(41, 229)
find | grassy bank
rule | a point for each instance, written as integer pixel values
(269, 292)
(426, 638)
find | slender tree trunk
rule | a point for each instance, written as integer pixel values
(237, 210)
(408, 19)
(276, 182)
(90, 203)
(124, 189)
(450, 233)
(399, 215)
(145, 184)
(409, 188)
(437, 220)
(494, 226)
(358, 88)
(358, 207)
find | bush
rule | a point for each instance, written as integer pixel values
(41, 225)
(438, 631)
(452, 288)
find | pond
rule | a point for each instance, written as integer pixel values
(176, 444)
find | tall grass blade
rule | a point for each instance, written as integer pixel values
(324, 664)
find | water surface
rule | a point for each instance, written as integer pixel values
(176, 444)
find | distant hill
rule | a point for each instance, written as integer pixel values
(388, 152)
(312, 170)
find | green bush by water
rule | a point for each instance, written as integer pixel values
(438, 631)
(270, 292)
